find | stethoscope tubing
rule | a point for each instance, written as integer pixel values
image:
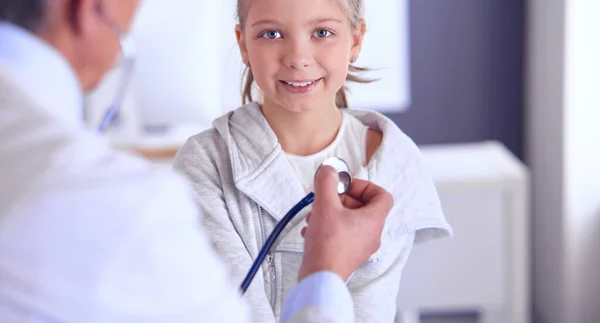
(266, 248)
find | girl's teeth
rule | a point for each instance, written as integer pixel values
(299, 84)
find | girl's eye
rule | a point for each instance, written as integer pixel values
(322, 33)
(271, 34)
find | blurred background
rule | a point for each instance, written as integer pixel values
(502, 96)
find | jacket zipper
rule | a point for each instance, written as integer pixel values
(270, 262)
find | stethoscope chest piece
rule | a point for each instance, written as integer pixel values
(343, 171)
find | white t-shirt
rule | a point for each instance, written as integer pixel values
(350, 144)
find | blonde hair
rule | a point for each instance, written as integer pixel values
(354, 10)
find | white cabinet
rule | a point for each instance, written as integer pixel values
(485, 266)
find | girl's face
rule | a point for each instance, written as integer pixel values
(299, 50)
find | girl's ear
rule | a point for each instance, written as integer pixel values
(241, 41)
(358, 34)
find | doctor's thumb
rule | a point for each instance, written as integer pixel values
(326, 183)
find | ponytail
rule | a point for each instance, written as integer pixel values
(247, 86)
(341, 100)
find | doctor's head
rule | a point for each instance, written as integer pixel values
(86, 32)
(300, 53)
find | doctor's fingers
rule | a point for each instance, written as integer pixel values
(372, 196)
(365, 191)
(326, 183)
(347, 201)
(376, 209)
(350, 202)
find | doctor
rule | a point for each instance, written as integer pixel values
(90, 235)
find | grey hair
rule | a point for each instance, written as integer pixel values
(28, 14)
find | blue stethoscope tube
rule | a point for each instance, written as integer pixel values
(345, 181)
(128, 53)
(264, 251)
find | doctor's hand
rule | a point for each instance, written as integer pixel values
(343, 232)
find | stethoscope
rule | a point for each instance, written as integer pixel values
(128, 53)
(345, 179)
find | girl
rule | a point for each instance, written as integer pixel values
(260, 159)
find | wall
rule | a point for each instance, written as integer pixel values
(544, 154)
(466, 72)
(582, 158)
(563, 150)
